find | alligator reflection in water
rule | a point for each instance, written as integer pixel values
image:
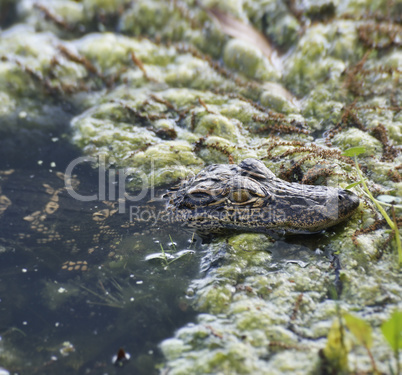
(74, 272)
(42, 209)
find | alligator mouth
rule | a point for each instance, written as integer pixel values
(249, 197)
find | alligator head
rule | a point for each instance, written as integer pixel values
(248, 197)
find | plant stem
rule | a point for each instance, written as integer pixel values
(173, 245)
(383, 213)
(164, 256)
(393, 224)
(398, 239)
(373, 365)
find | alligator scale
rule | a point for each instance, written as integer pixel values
(248, 197)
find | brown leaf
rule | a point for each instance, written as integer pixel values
(237, 29)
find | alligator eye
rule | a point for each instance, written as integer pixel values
(239, 196)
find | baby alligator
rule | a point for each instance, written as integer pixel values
(248, 197)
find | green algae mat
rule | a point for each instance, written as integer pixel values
(160, 89)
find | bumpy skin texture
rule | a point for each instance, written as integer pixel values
(249, 197)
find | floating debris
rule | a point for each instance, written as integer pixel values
(121, 358)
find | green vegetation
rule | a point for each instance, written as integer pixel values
(354, 152)
(363, 333)
(167, 258)
(336, 350)
(392, 331)
(335, 354)
(111, 298)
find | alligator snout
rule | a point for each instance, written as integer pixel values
(348, 203)
(348, 197)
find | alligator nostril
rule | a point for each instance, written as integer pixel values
(343, 194)
(348, 198)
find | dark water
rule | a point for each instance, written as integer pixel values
(7, 12)
(56, 320)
